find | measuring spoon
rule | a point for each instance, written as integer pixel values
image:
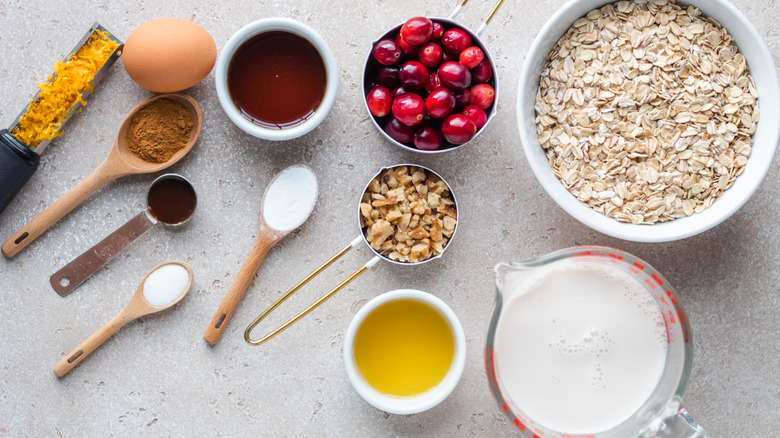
(171, 200)
(287, 202)
(167, 277)
(119, 162)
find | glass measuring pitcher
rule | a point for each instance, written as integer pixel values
(558, 339)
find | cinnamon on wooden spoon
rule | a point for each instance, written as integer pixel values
(119, 162)
(161, 288)
(287, 202)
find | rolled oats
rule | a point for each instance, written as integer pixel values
(646, 110)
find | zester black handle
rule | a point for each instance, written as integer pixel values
(17, 164)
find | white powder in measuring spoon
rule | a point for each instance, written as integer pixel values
(290, 198)
(165, 284)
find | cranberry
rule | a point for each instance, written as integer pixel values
(455, 40)
(482, 95)
(458, 129)
(387, 52)
(430, 55)
(476, 114)
(471, 57)
(409, 109)
(440, 103)
(380, 101)
(417, 30)
(454, 75)
(482, 72)
(438, 31)
(388, 77)
(413, 75)
(399, 91)
(462, 98)
(398, 131)
(447, 57)
(427, 138)
(407, 50)
(433, 82)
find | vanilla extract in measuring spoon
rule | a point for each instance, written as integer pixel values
(171, 200)
(277, 79)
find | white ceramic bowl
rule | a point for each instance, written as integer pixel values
(270, 25)
(765, 139)
(426, 400)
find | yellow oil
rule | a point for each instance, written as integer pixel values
(404, 348)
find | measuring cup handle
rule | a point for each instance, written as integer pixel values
(680, 425)
(82, 267)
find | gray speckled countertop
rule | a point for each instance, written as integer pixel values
(158, 377)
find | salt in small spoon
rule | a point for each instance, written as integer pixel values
(152, 296)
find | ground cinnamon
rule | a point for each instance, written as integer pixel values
(159, 130)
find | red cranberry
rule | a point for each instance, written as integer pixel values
(388, 77)
(430, 55)
(399, 91)
(417, 30)
(462, 98)
(398, 131)
(407, 50)
(455, 40)
(387, 52)
(476, 114)
(380, 101)
(458, 129)
(409, 109)
(413, 75)
(454, 75)
(438, 31)
(482, 72)
(433, 82)
(427, 138)
(440, 103)
(471, 57)
(447, 57)
(482, 95)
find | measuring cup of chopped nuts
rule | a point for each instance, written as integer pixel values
(407, 215)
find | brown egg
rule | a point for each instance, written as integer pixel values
(169, 54)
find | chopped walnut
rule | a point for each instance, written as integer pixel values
(408, 214)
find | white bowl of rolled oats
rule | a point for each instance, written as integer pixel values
(641, 118)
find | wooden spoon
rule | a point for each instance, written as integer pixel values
(137, 307)
(119, 162)
(267, 237)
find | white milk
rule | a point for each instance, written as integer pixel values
(579, 345)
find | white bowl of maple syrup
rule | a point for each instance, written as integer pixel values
(276, 79)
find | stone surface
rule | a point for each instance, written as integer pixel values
(157, 376)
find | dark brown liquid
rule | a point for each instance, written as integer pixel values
(171, 200)
(277, 79)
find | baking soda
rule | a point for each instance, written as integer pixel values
(290, 198)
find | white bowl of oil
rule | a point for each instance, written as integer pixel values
(405, 351)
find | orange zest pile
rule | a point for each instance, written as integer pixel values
(62, 91)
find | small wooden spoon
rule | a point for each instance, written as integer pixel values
(119, 162)
(137, 307)
(267, 237)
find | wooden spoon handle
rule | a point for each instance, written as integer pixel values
(237, 289)
(75, 357)
(57, 211)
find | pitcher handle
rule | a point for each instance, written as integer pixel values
(680, 425)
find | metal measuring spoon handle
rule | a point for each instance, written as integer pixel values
(81, 268)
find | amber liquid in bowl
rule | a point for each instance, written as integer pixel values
(277, 79)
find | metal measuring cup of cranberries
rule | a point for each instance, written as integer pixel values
(430, 84)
